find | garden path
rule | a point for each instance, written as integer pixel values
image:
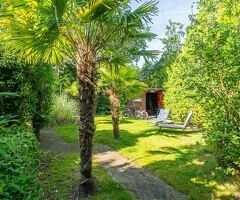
(137, 180)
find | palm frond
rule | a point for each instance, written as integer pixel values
(144, 35)
(153, 54)
(8, 94)
(130, 24)
(96, 8)
(59, 8)
(135, 88)
(38, 38)
(4, 120)
(124, 80)
(141, 15)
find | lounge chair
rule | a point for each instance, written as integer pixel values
(162, 117)
(176, 126)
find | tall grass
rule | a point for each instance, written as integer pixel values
(64, 110)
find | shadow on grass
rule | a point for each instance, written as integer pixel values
(128, 139)
(191, 169)
(188, 168)
(109, 121)
(165, 150)
(194, 172)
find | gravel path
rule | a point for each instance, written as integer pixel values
(137, 180)
(50, 141)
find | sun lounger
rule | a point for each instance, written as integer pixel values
(162, 117)
(176, 126)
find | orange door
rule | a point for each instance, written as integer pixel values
(160, 100)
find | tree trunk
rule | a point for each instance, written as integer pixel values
(86, 75)
(115, 108)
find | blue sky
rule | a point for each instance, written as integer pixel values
(176, 10)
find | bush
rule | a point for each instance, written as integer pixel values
(33, 83)
(207, 72)
(64, 110)
(102, 104)
(224, 141)
(179, 99)
(19, 165)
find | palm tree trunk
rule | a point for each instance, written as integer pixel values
(115, 108)
(86, 75)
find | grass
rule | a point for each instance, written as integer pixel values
(60, 173)
(178, 157)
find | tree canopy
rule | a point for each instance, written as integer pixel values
(155, 73)
(206, 78)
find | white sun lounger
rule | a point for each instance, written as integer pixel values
(176, 126)
(162, 117)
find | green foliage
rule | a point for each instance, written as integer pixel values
(6, 119)
(64, 110)
(224, 139)
(179, 99)
(102, 104)
(207, 73)
(19, 165)
(72, 89)
(154, 73)
(65, 75)
(42, 36)
(33, 84)
(42, 88)
(122, 80)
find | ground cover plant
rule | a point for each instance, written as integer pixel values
(18, 164)
(59, 175)
(180, 158)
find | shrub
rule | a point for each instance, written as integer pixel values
(18, 165)
(33, 83)
(208, 72)
(102, 104)
(224, 141)
(179, 99)
(64, 110)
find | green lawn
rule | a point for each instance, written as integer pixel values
(177, 157)
(59, 174)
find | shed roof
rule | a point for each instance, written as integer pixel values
(154, 90)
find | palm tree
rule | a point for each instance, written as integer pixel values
(79, 31)
(116, 82)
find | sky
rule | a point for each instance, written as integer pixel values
(176, 10)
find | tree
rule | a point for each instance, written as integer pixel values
(154, 73)
(116, 82)
(207, 73)
(81, 31)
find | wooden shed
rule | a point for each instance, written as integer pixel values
(149, 101)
